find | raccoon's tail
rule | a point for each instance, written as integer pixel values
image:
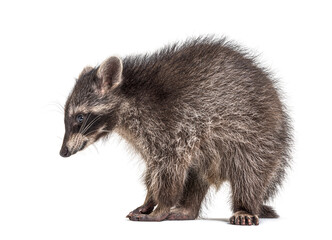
(267, 212)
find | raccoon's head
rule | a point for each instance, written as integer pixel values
(91, 109)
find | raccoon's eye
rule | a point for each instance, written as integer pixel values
(79, 118)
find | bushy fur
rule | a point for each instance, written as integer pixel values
(200, 113)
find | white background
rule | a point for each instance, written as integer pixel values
(43, 47)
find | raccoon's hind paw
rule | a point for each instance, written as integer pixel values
(181, 214)
(148, 218)
(244, 218)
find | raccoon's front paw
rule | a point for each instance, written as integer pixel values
(144, 209)
(244, 218)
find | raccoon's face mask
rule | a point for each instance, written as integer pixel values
(91, 108)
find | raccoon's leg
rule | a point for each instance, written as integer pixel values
(166, 183)
(146, 208)
(149, 202)
(193, 194)
(247, 199)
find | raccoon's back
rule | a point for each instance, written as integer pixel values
(204, 74)
(190, 67)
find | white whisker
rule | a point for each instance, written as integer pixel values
(90, 124)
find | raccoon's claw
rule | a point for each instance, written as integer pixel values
(244, 218)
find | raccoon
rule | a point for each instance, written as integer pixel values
(199, 113)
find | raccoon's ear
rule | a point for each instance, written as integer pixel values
(110, 73)
(85, 70)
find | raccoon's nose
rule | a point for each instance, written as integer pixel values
(64, 152)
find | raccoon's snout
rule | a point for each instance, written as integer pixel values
(64, 152)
